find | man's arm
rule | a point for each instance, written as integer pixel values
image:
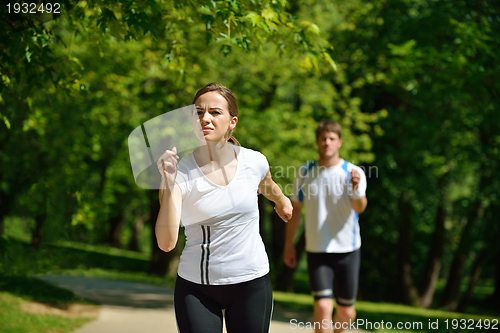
(358, 203)
(289, 254)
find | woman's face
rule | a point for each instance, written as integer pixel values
(213, 117)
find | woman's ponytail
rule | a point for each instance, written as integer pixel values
(233, 140)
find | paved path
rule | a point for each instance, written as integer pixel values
(130, 307)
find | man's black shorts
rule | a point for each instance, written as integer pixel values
(344, 267)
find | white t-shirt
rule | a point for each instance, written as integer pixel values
(223, 244)
(331, 222)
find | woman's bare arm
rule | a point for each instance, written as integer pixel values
(168, 221)
(272, 191)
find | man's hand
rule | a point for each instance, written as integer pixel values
(358, 203)
(290, 256)
(355, 179)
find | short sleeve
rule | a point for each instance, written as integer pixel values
(263, 166)
(181, 180)
(361, 191)
(298, 192)
(182, 177)
(296, 197)
(362, 183)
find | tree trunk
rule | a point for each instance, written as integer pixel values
(283, 277)
(268, 97)
(133, 245)
(284, 280)
(277, 245)
(36, 237)
(433, 264)
(451, 293)
(116, 224)
(476, 272)
(2, 214)
(161, 262)
(4, 209)
(262, 211)
(405, 275)
(279, 234)
(494, 248)
(158, 264)
(495, 298)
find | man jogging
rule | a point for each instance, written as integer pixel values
(333, 192)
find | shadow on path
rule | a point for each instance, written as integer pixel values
(115, 292)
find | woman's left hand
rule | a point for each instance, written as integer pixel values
(284, 208)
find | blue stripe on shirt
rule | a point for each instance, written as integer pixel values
(301, 191)
(355, 215)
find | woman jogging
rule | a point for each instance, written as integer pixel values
(213, 191)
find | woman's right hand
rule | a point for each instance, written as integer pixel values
(167, 166)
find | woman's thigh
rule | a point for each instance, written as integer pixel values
(251, 309)
(194, 310)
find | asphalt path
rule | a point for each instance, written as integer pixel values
(131, 307)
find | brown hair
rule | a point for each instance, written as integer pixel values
(328, 125)
(231, 102)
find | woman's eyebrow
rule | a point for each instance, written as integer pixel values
(213, 108)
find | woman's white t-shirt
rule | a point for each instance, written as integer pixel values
(223, 244)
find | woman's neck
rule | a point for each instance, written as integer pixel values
(216, 153)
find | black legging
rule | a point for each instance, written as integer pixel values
(198, 308)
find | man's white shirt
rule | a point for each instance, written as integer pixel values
(331, 222)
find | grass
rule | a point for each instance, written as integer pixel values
(14, 320)
(19, 258)
(370, 315)
(77, 259)
(19, 262)
(17, 290)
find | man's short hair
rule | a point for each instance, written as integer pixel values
(328, 125)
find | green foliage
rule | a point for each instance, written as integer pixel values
(29, 60)
(107, 68)
(413, 83)
(430, 65)
(15, 320)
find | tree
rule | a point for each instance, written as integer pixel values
(425, 63)
(51, 68)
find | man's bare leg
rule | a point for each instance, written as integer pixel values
(344, 315)
(323, 309)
